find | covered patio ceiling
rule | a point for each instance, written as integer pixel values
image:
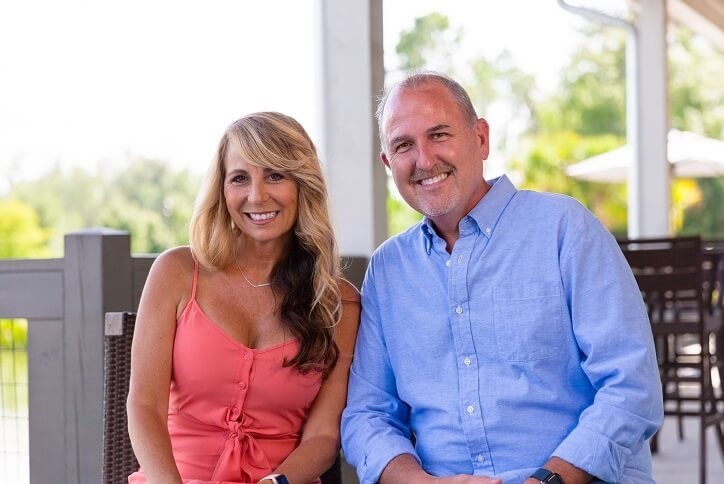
(705, 17)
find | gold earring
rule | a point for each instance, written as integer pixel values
(233, 226)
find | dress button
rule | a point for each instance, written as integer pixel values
(242, 385)
(470, 409)
(459, 310)
(247, 356)
(467, 361)
(234, 413)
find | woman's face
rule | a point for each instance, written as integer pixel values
(262, 202)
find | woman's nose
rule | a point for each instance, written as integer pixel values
(257, 191)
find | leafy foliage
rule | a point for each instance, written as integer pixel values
(148, 199)
(22, 234)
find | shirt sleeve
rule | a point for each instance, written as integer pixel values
(612, 329)
(375, 424)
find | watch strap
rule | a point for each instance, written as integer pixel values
(276, 478)
(546, 476)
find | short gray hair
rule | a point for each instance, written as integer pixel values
(419, 78)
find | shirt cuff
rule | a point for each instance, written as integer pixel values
(379, 453)
(594, 453)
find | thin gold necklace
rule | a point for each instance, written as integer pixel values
(255, 286)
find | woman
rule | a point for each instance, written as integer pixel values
(243, 340)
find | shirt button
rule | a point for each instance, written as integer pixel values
(247, 356)
(470, 409)
(447, 262)
(242, 385)
(488, 231)
(481, 458)
(460, 259)
(467, 361)
(459, 310)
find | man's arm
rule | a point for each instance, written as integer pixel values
(569, 473)
(614, 336)
(375, 423)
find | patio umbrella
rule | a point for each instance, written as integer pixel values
(691, 156)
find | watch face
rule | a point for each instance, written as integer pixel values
(544, 475)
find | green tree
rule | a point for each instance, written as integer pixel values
(429, 44)
(147, 198)
(591, 99)
(21, 234)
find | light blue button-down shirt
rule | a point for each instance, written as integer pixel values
(529, 340)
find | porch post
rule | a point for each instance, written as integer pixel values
(649, 182)
(352, 77)
(96, 279)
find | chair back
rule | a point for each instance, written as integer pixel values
(119, 461)
(669, 274)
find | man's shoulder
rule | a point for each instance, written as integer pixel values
(549, 205)
(550, 200)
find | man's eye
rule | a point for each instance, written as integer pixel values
(438, 135)
(402, 147)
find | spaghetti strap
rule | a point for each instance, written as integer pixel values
(196, 277)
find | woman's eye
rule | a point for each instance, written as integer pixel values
(238, 179)
(276, 176)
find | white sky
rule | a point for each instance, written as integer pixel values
(89, 81)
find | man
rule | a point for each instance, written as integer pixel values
(503, 338)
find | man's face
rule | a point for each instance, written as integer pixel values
(435, 155)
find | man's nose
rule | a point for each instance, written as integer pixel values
(426, 158)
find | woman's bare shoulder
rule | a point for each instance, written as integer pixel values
(348, 291)
(175, 259)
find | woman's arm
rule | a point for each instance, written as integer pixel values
(164, 293)
(320, 440)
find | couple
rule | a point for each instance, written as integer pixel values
(502, 339)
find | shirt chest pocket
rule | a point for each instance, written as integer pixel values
(528, 321)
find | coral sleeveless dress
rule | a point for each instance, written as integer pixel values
(235, 413)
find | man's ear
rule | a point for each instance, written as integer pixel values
(482, 130)
(384, 159)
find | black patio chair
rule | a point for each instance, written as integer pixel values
(670, 273)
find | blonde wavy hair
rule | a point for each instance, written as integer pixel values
(278, 142)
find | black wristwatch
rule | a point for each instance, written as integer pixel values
(546, 476)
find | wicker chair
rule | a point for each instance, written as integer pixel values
(118, 458)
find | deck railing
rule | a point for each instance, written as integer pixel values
(64, 301)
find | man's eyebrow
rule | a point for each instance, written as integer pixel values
(437, 128)
(398, 139)
(430, 130)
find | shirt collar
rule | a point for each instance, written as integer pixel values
(485, 214)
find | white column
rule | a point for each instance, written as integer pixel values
(352, 77)
(649, 180)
